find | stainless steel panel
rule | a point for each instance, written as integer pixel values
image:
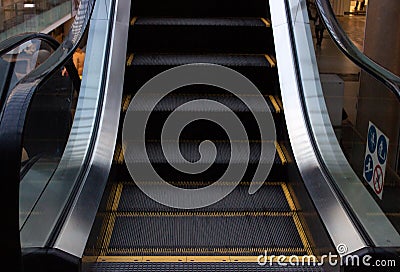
(77, 227)
(338, 223)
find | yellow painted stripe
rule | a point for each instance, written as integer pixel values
(265, 21)
(117, 153)
(190, 251)
(280, 153)
(296, 219)
(288, 197)
(270, 60)
(89, 259)
(286, 154)
(130, 59)
(279, 101)
(133, 21)
(117, 197)
(275, 104)
(126, 101)
(200, 259)
(214, 141)
(111, 218)
(201, 214)
(107, 236)
(203, 183)
(302, 234)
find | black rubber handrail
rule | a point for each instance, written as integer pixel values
(348, 48)
(17, 40)
(12, 126)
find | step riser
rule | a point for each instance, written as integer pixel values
(263, 77)
(201, 130)
(204, 8)
(200, 39)
(213, 174)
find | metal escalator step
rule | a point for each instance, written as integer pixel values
(258, 68)
(200, 129)
(280, 157)
(205, 8)
(171, 102)
(187, 35)
(270, 197)
(244, 233)
(234, 103)
(194, 267)
(147, 59)
(189, 149)
(233, 22)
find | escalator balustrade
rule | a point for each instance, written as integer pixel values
(131, 227)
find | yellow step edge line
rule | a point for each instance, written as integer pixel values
(302, 234)
(116, 153)
(201, 214)
(105, 228)
(280, 153)
(127, 100)
(121, 157)
(107, 237)
(288, 197)
(296, 219)
(133, 21)
(286, 154)
(117, 197)
(130, 59)
(214, 141)
(279, 101)
(197, 259)
(190, 251)
(270, 60)
(265, 21)
(201, 183)
(111, 220)
(275, 104)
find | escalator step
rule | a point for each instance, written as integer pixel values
(259, 68)
(204, 8)
(190, 151)
(205, 233)
(234, 35)
(234, 103)
(194, 267)
(270, 197)
(232, 22)
(171, 102)
(226, 60)
(280, 158)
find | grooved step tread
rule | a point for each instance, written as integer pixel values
(171, 102)
(271, 197)
(229, 22)
(204, 233)
(231, 60)
(156, 155)
(185, 264)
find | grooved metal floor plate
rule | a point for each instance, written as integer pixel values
(195, 267)
(268, 198)
(212, 232)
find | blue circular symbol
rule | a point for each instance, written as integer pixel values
(382, 149)
(372, 139)
(368, 168)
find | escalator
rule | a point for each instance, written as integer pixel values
(131, 227)
(98, 209)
